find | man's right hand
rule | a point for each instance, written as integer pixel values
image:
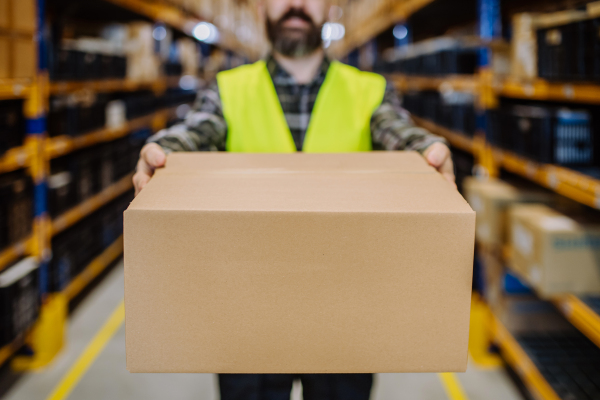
(152, 156)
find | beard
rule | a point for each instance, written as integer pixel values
(294, 42)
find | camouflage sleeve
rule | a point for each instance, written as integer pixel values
(204, 128)
(393, 129)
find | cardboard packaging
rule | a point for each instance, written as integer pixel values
(23, 15)
(4, 57)
(491, 200)
(4, 14)
(524, 56)
(298, 263)
(553, 252)
(23, 58)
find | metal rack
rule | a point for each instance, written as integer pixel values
(35, 155)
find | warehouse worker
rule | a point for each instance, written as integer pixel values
(295, 100)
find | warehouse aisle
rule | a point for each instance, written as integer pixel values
(107, 378)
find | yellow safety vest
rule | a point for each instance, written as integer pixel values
(340, 121)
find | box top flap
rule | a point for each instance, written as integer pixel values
(361, 182)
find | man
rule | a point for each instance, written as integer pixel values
(295, 100)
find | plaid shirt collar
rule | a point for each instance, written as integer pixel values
(282, 78)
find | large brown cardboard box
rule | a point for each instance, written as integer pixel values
(555, 253)
(491, 200)
(23, 59)
(4, 57)
(23, 15)
(4, 14)
(298, 263)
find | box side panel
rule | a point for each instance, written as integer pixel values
(297, 292)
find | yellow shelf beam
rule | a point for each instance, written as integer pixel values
(13, 252)
(113, 85)
(61, 145)
(574, 185)
(15, 158)
(514, 354)
(10, 349)
(92, 204)
(461, 83)
(581, 316)
(95, 268)
(14, 88)
(543, 90)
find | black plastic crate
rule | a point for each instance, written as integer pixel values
(16, 203)
(531, 129)
(564, 51)
(19, 299)
(64, 64)
(569, 362)
(12, 125)
(593, 57)
(573, 138)
(459, 61)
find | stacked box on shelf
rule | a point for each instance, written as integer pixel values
(19, 299)
(556, 253)
(17, 46)
(12, 125)
(16, 207)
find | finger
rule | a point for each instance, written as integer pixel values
(140, 180)
(154, 155)
(438, 154)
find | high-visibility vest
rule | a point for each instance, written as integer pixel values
(340, 121)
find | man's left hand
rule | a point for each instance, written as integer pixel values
(438, 156)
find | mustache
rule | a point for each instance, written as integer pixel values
(295, 13)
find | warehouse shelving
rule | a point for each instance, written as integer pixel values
(581, 315)
(10, 349)
(565, 181)
(521, 363)
(540, 89)
(15, 158)
(61, 145)
(14, 251)
(92, 204)
(462, 83)
(113, 85)
(14, 88)
(95, 268)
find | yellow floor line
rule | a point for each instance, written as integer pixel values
(89, 355)
(452, 387)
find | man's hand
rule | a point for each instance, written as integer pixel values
(152, 156)
(438, 156)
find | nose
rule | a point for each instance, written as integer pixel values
(297, 3)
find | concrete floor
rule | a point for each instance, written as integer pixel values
(107, 378)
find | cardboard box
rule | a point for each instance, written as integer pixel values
(298, 263)
(23, 15)
(491, 200)
(24, 60)
(524, 57)
(4, 14)
(4, 57)
(555, 253)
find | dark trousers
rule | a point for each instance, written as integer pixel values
(279, 386)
